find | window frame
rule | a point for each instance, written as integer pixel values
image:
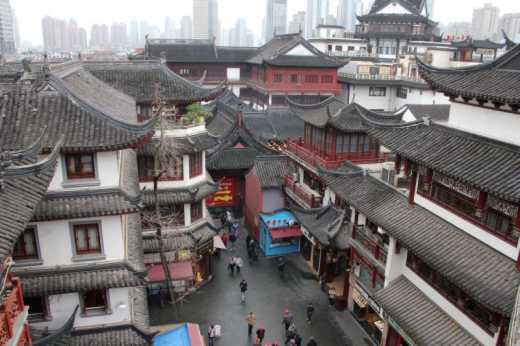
(278, 78)
(196, 164)
(80, 176)
(402, 93)
(327, 79)
(98, 310)
(26, 258)
(39, 317)
(89, 254)
(196, 211)
(377, 91)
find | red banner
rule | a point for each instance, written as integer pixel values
(225, 196)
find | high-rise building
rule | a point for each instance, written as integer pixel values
(457, 30)
(205, 19)
(347, 11)
(118, 36)
(510, 23)
(7, 34)
(317, 12)
(485, 21)
(276, 18)
(55, 35)
(99, 37)
(239, 36)
(134, 33)
(297, 24)
(169, 28)
(82, 39)
(16, 28)
(186, 27)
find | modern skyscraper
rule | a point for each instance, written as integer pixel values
(7, 34)
(118, 36)
(347, 11)
(297, 24)
(16, 28)
(485, 21)
(276, 18)
(169, 28)
(317, 12)
(205, 19)
(134, 33)
(186, 27)
(510, 23)
(99, 37)
(82, 39)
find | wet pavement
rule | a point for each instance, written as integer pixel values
(269, 294)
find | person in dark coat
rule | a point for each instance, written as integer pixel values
(243, 290)
(298, 339)
(310, 312)
(312, 342)
(260, 335)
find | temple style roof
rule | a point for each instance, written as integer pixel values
(477, 44)
(232, 158)
(62, 111)
(60, 337)
(274, 124)
(191, 144)
(275, 52)
(89, 276)
(508, 42)
(271, 169)
(137, 79)
(120, 335)
(425, 322)
(396, 18)
(22, 186)
(444, 247)
(496, 81)
(180, 195)
(343, 117)
(414, 6)
(83, 204)
(327, 224)
(464, 156)
(178, 239)
(438, 113)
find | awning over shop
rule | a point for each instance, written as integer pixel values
(289, 232)
(187, 334)
(218, 243)
(178, 271)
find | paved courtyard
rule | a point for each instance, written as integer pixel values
(268, 295)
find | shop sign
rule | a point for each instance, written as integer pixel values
(184, 255)
(308, 236)
(400, 331)
(362, 302)
(369, 299)
(225, 195)
(502, 206)
(455, 185)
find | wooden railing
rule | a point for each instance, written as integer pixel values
(12, 306)
(307, 197)
(375, 248)
(313, 158)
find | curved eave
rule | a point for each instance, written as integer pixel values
(308, 106)
(369, 117)
(35, 168)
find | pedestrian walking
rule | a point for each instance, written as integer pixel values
(243, 290)
(332, 296)
(231, 266)
(260, 335)
(310, 312)
(212, 334)
(239, 263)
(287, 319)
(251, 320)
(312, 342)
(290, 333)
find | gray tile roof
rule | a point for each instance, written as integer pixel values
(438, 113)
(181, 145)
(496, 81)
(446, 248)
(421, 319)
(461, 155)
(137, 79)
(83, 204)
(343, 117)
(60, 337)
(274, 124)
(326, 224)
(477, 44)
(271, 169)
(178, 239)
(180, 195)
(23, 188)
(122, 335)
(91, 276)
(232, 158)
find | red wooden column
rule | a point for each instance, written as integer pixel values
(480, 204)
(517, 228)
(411, 172)
(397, 163)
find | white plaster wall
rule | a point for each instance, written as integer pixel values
(299, 50)
(107, 172)
(62, 306)
(56, 246)
(273, 200)
(486, 122)
(395, 262)
(360, 95)
(183, 132)
(420, 96)
(441, 58)
(187, 214)
(473, 230)
(186, 182)
(445, 305)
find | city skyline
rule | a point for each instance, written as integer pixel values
(229, 12)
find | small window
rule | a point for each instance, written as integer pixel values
(377, 91)
(195, 165)
(94, 302)
(196, 211)
(37, 308)
(184, 71)
(294, 78)
(80, 166)
(87, 238)
(311, 78)
(402, 93)
(26, 246)
(327, 79)
(278, 78)
(339, 48)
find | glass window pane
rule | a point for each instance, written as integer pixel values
(93, 237)
(81, 238)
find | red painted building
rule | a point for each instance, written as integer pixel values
(288, 65)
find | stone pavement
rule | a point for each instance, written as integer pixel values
(268, 295)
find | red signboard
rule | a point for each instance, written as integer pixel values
(225, 196)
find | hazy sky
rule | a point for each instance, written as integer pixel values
(88, 12)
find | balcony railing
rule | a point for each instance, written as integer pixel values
(317, 160)
(381, 77)
(295, 189)
(375, 248)
(12, 306)
(351, 53)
